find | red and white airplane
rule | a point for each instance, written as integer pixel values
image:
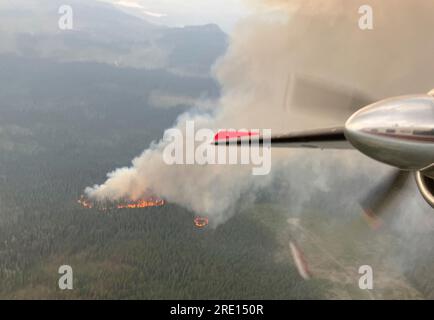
(397, 131)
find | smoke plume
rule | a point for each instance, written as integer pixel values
(263, 79)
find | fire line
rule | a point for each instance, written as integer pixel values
(138, 204)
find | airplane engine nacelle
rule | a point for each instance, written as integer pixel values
(426, 187)
(397, 131)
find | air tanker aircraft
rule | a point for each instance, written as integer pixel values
(397, 131)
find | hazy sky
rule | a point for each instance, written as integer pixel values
(188, 12)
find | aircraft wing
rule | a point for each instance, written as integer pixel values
(331, 138)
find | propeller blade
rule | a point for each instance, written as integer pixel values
(375, 203)
(316, 96)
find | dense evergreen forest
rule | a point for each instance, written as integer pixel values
(76, 104)
(60, 133)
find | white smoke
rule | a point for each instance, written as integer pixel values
(301, 37)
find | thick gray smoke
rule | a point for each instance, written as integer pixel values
(285, 41)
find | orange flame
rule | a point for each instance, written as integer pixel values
(141, 203)
(201, 222)
(85, 202)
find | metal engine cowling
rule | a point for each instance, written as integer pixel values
(426, 187)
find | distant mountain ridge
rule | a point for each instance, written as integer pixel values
(103, 33)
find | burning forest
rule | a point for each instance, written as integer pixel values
(201, 222)
(122, 204)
